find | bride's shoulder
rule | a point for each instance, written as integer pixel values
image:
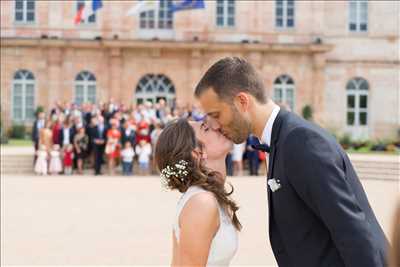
(201, 207)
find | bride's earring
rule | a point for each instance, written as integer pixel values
(199, 154)
(203, 155)
(196, 154)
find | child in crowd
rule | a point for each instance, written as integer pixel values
(143, 150)
(55, 160)
(68, 159)
(127, 158)
(41, 161)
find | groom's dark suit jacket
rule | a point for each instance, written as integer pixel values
(320, 216)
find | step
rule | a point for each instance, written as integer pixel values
(387, 171)
(367, 166)
(393, 166)
(372, 176)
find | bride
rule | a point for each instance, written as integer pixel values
(191, 158)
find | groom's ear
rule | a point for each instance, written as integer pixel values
(242, 101)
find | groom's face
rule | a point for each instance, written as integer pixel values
(224, 117)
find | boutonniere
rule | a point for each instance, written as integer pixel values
(274, 185)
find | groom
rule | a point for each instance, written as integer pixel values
(319, 214)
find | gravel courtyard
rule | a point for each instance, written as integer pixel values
(88, 220)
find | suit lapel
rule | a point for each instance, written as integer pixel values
(271, 160)
(269, 174)
(276, 128)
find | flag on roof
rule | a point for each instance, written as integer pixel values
(86, 9)
(144, 5)
(186, 5)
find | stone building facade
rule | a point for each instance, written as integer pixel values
(339, 57)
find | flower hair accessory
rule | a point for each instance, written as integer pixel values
(178, 170)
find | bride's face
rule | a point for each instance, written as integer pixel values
(216, 145)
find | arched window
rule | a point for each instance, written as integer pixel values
(153, 87)
(85, 88)
(284, 91)
(357, 102)
(23, 96)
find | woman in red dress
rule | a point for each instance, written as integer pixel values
(113, 145)
(57, 126)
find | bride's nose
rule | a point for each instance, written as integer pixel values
(213, 124)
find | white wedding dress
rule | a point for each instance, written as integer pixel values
(225, 242)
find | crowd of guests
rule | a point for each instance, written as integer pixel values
(70, 138)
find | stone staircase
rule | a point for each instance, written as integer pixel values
(17, 164)
(16, 160)
(381, 167)
(19, 160)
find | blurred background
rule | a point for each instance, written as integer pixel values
(337, 61)
(69, 66)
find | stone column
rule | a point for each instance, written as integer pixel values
(256, 59)
(318, 87)
(6, 74)
(195, 74)
(265, 70)
(69, 73)
(115, 89)
(53, 85)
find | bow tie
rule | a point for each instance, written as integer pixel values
(262, 147)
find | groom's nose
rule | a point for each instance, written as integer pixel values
(213, 124)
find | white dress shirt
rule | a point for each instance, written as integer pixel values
(144, 153)
(66, 136)
(267, 132)
(127, 154)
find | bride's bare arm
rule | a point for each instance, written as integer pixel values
(199, 221)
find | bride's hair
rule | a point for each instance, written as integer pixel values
(175, 144)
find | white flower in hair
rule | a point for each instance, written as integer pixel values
(178, 170)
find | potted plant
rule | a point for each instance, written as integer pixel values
(307, 112)
(3, 136)
(18, 131)
(345, 141)
(379, 146)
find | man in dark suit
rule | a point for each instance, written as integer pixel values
(319, 214)
(128, 134)
(67, 134)
(91, 129)
(38, 124)
(99, 141)
(252, 154)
